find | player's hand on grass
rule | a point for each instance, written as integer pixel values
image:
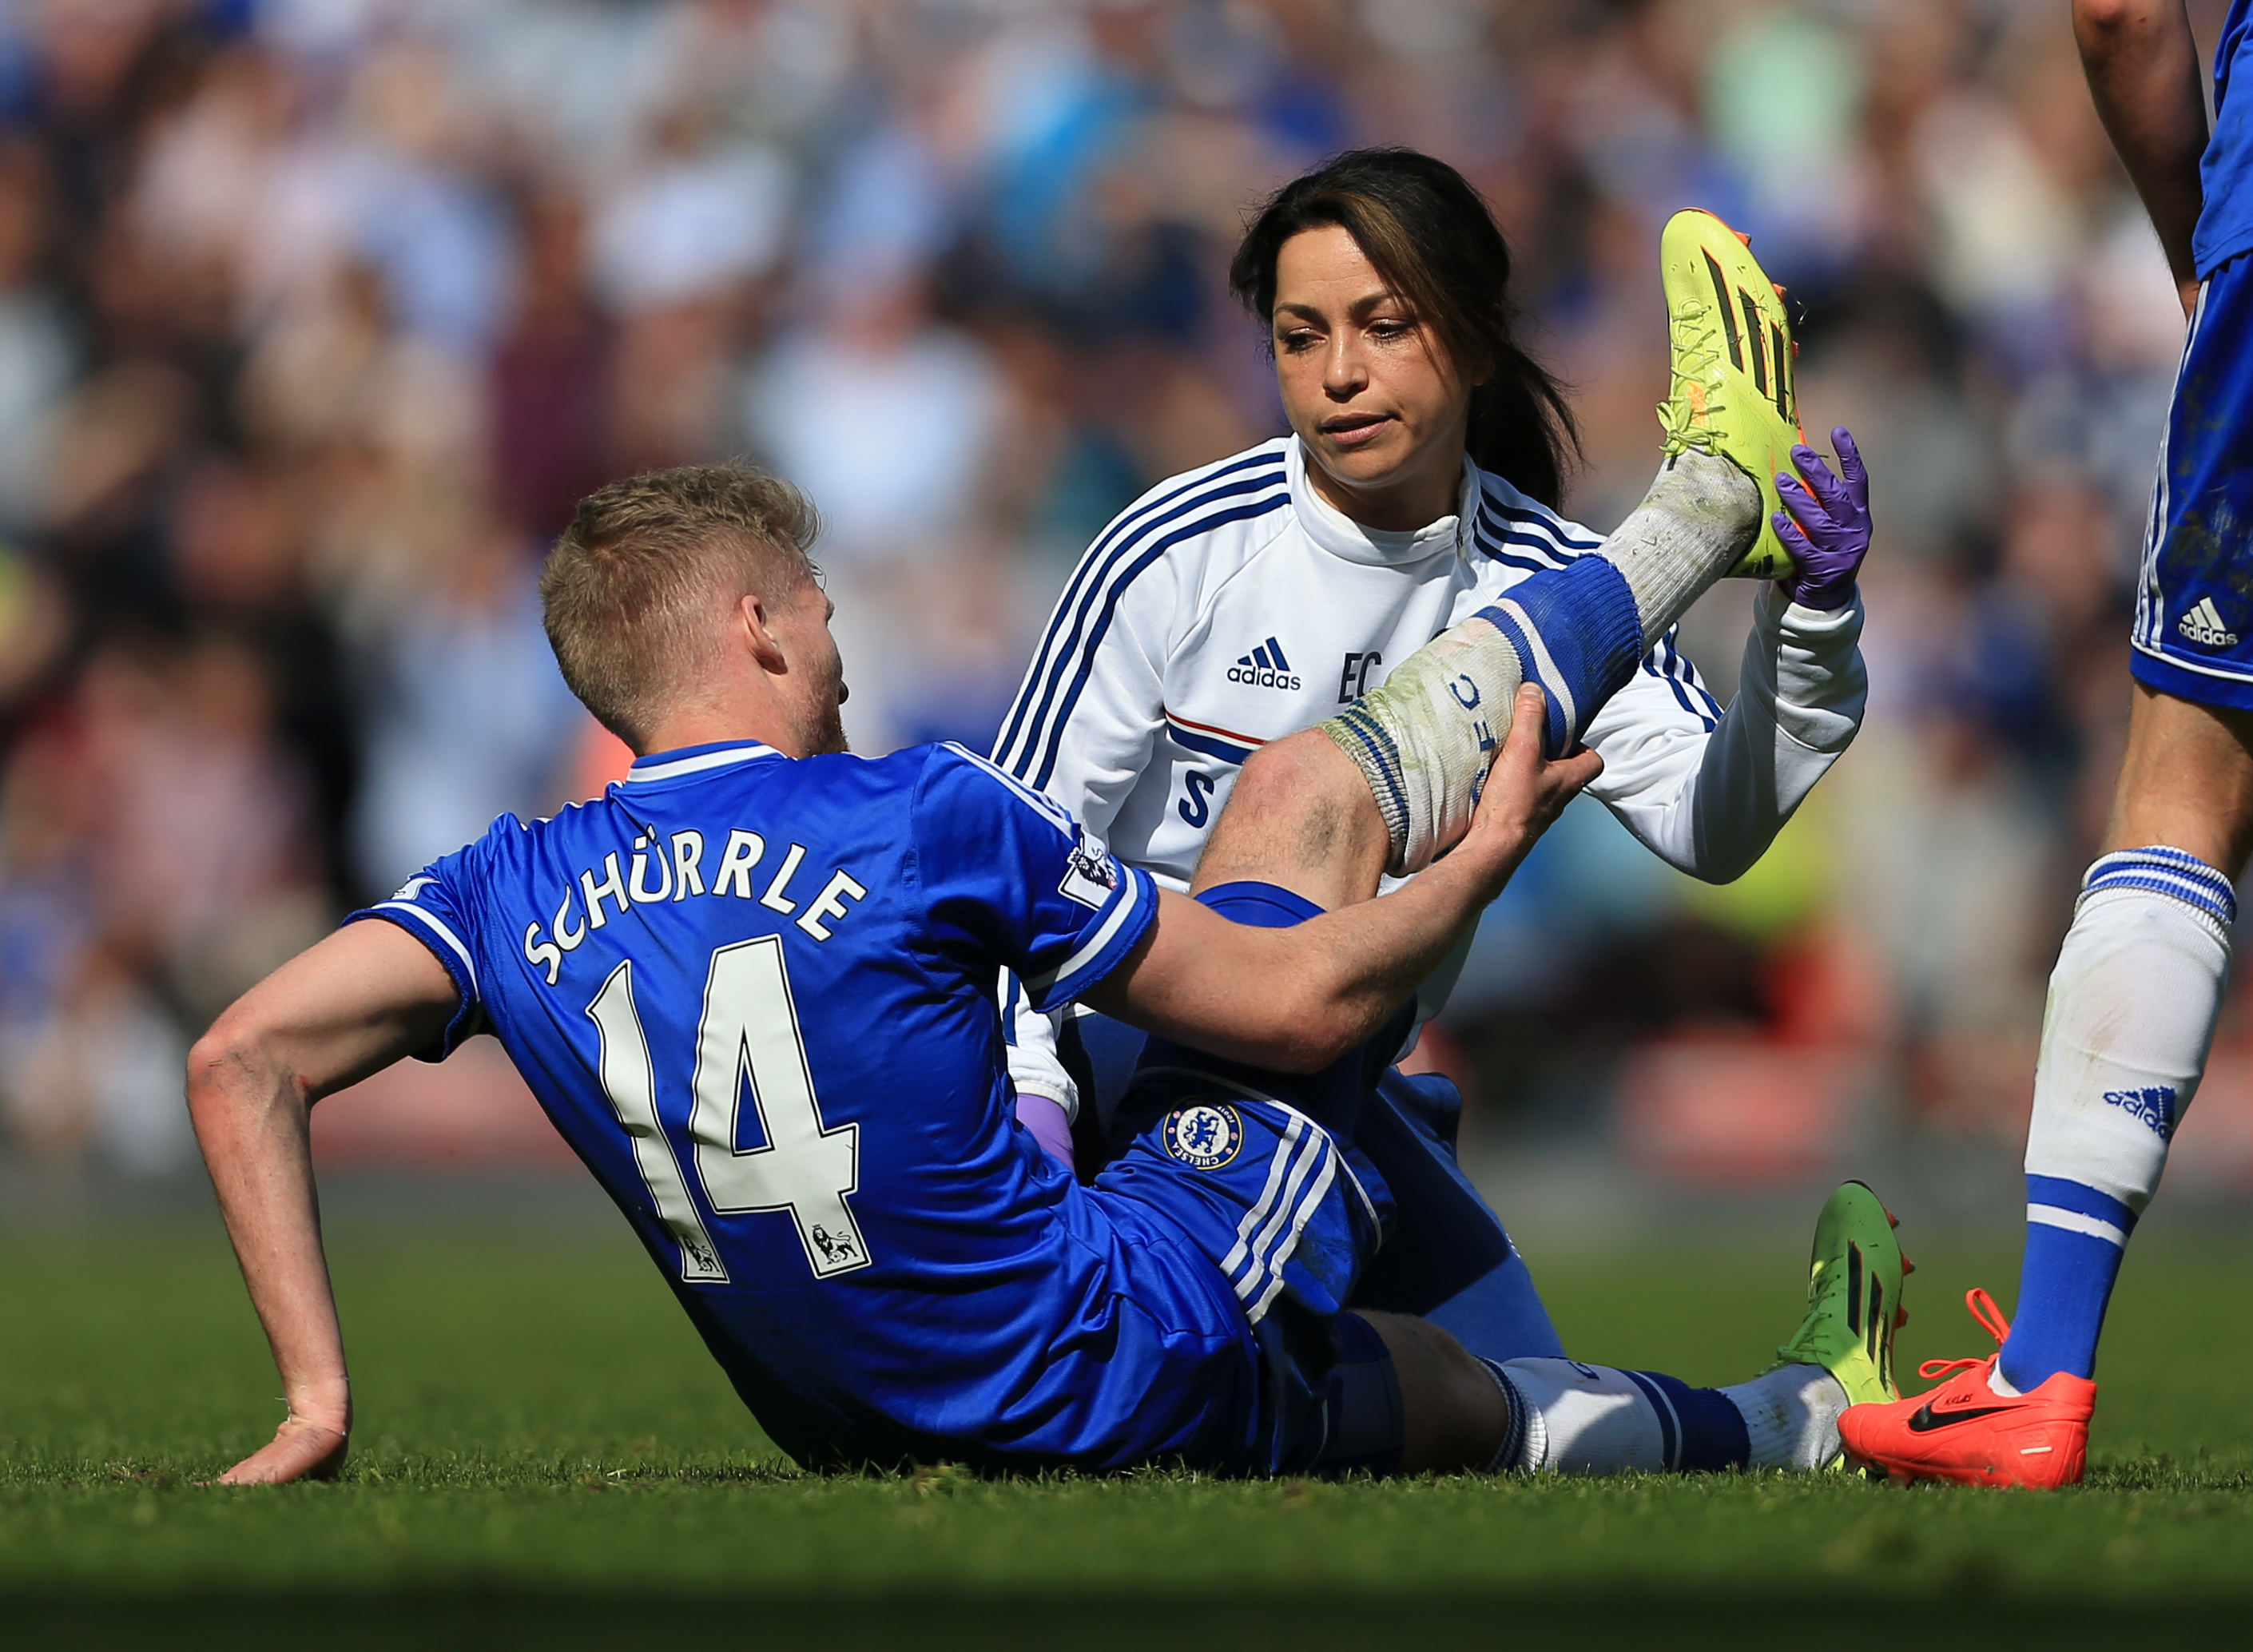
(1825, 523)
(1524, 793)
(310, 1445)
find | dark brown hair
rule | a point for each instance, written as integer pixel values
(632, 588)
(1430, 235)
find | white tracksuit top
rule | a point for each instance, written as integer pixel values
(1230, 605)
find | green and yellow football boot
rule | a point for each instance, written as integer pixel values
(1853, 1297)
(1732, 391)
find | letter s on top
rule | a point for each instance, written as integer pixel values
(547, 952)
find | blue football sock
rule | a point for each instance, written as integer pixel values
(1707, 1431)
(1576, 635)
(2065, 1285)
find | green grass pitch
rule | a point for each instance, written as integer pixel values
(546, 1455)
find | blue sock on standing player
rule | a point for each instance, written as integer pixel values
(2132, 1009)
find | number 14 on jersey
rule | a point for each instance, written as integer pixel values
(747, 1042)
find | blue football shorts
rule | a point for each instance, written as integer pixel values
(1448, 1258)
(2194, 624)
(1290, 1216)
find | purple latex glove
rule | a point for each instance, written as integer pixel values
(1825, 524)
(1051, 1127)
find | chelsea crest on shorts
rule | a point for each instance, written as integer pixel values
(1204, 1135)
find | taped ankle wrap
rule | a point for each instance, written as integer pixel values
(1423, 740)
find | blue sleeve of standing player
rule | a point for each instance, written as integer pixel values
(1009, 877)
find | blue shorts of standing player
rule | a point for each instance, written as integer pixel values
(2194, 622)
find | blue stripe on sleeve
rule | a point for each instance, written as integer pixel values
(1570, 538)
(1100, 578)
(1055, 724)
(1090, 570)
(1493, 548)
(1671, 665)
(1103, 945)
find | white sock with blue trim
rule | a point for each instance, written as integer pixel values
(1571, 1418)
(1424, 738)
(2131, 1008)
(1583, 1419)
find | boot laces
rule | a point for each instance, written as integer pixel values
(1693, 356)
(1991, 1320)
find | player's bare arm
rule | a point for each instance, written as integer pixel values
(2142, 64)
(1296, 999)
(353, 1004)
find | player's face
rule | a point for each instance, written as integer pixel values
(1382, 413)
(801, 624)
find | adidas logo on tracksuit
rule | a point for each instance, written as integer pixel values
(1264, 667)
(2203, 626)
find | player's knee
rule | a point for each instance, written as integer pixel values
(1300, 806)
(1293, 777)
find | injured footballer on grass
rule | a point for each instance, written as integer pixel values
(754, 987)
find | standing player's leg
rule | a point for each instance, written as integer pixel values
(2131, 1010)
(2132, 1003)
(2140, 977)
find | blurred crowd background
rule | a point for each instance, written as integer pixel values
(316, 315)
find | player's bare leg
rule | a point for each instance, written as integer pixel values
(1301, 816)
(2186, 780)
(1454, 1415)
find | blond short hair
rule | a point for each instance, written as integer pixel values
(633, 588)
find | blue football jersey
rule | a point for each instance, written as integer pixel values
(2225, 222)
(759, 996)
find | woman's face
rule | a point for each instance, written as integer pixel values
(1383, 414)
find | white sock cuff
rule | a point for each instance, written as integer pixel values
(1424, 740)
(2174, 875)
(1517, 1441)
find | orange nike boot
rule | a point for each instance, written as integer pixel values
(1963, 1431)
